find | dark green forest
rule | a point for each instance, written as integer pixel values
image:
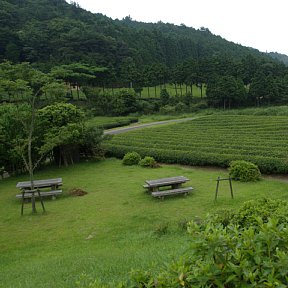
(127, 53)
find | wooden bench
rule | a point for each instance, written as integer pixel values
(163, 193)
(28, 194)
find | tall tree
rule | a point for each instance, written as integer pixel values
(26, 88)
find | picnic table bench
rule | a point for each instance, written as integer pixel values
(153, 186)
(50, 186)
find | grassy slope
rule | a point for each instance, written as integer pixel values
(106, 233)
(155, 93)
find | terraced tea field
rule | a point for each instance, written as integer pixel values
(212, 140)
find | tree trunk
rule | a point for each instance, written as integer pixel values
(176, 89)
(77, 89)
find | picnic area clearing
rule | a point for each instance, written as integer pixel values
(116, 227)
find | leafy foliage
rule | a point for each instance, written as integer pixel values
(67, 135)
(131, 158)
(147, 161)
(254, 254)
(244, 171)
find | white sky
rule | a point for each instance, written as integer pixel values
(261, 24)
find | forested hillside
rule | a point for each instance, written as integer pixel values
(53, 31)
(49, 33)
(281, 57)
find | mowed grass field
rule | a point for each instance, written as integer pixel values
(154, 92)
(113, 229)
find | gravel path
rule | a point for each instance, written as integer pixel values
(126, 129)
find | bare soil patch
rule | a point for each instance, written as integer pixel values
(77, 192)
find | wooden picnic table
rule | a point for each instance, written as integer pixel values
(53, 183)
(38, 185)
(154, 186)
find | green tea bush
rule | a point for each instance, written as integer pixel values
(131, 158)
(250, 212)
(148, 161)
(200, 142)
(253, 254)
(244, 171)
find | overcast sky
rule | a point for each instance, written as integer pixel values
(261, 24)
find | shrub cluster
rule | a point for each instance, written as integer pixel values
(133, 158)
(147, 161)
(244, 171)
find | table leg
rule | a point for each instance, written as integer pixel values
(33, 202)
(176, 186)
(41, 200)
(22, 202)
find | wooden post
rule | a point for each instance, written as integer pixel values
(33, 201)
(217, 187)
(41, 200)
(22, 207)
(231, 190)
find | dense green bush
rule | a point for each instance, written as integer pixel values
(131, 158)
(253, 254)
(147, 161)
(244, 171)
(250, 212)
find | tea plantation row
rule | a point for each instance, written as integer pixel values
(212, 140)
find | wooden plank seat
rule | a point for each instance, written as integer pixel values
(162, 193)
(28, 194)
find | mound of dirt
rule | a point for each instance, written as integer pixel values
(77, 192)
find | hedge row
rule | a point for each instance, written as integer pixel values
(266, 165)
(215, 140)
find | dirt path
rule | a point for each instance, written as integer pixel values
(129, 128)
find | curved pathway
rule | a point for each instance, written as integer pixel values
(129, 128)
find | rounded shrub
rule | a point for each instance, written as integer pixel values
(131, 158)
(244, 171)
(147, 161)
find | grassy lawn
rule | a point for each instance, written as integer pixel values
(154, 92)
(112, 229)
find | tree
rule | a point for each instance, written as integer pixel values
(128, 72)
(64, 126)
(263, 89)
(226, 91)
(26, 87)
(76, 74)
